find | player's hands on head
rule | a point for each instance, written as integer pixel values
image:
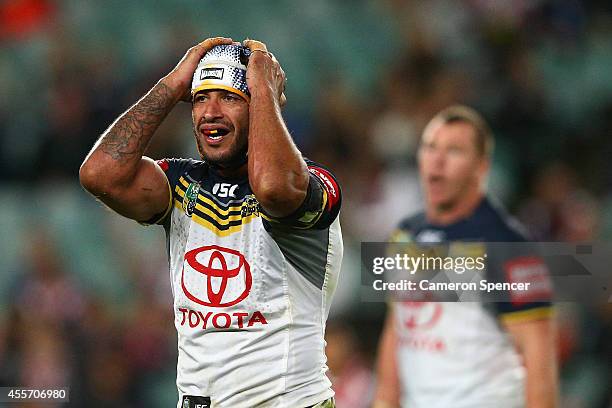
(264, 73)
(179, 79)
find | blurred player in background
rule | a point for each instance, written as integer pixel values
(252, 229)
(464, 354)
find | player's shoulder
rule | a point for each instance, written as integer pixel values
(177, 168)
(168, 164)
(408, 227)
(412, 222)
(500, 225)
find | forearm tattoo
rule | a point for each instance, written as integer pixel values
(129, 136)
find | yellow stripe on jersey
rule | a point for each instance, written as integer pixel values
(221, 216)
(215, 212)
(210, 215)
(220, 220)
(521, 316)
(316, 216)
(212, 226)
(308, 219)
(183, 181)
(222, 211)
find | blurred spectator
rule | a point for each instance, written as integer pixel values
(18, 18)
(47, 306)
(45, 362)
(109, 377)
(46, 292)
(560, 210)
(351, 377)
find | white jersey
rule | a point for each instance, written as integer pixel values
(458, 354)
(251, 293)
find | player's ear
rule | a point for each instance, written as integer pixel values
(484, 166)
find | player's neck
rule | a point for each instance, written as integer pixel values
(232, 173)
(463, 208)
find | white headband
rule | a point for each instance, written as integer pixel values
(223, 67)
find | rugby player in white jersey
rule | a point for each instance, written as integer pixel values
(252, 229)
(467, 354)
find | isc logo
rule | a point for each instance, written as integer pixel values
(225, 190)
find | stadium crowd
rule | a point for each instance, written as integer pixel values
(85, 300)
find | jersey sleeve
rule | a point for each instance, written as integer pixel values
(321, 205)
(532, 298)
(173, 169)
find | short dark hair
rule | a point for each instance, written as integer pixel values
(465, 114)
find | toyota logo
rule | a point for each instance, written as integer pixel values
(215, 276)
(421, 315)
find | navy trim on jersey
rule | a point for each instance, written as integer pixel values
(488, 223)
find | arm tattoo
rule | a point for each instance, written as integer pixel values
(129, 136)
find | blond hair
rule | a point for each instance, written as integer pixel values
(465, 114)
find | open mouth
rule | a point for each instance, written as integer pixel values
(435, 179)
(215, 134)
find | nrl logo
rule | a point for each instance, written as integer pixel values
(190, 198)
(186, 403)
(250, 206)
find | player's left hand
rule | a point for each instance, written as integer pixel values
(264, 73)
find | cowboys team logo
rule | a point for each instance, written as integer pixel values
(190, 198)
(249, 206)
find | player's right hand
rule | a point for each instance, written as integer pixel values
(179, 79)
(264, 71)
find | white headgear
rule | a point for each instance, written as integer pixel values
(223, 67)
